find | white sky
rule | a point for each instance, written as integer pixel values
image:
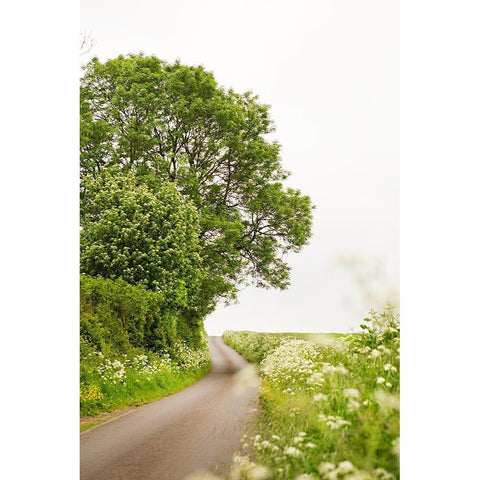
(330, 71)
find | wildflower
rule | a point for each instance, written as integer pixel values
(374, 354)
(353, 404)
(333, 422)
(258, 472)
(382, 474)
(305, 476)
(298, 440)
(325, 467)
(331, 369)
(388, 367)
(275, 437)
(319, 397)
(351, 393)
(316, 379)
(345, 467)
(396, 446)
(387, 400)
(357, 475)
(292, 451)
(380, 380)
(310, 445)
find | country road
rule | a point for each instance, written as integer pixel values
(196, 429)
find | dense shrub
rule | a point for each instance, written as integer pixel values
(118, 317)
(145, 233)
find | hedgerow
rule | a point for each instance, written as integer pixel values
(134, 347)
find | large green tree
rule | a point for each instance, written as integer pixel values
(173, 123)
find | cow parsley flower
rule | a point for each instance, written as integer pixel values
(292, 451)
(351, 393)
(345, 467)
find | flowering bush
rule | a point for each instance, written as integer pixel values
(330, 410)
(144, 235)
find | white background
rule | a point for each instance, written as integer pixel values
(439, 238)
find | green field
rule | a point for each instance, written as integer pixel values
(329, 403)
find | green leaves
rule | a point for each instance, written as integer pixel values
(144, 236)
(171, 123)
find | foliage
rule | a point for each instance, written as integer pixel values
(330, 410)
(116, 317)
(114, 381)
(144, 235)
(173, 123)
(133, 347)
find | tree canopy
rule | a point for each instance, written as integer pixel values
(171, 123)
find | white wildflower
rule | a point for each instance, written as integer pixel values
(292, 451)
(258, 472)
(345, 467)
(388, 367)
(396, 446)
(316, 379)
(387, 400)
(351, 393)
(325, 467)
(319, 397)
(353, 404)
(382, 474)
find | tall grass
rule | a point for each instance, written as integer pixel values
(330, 409)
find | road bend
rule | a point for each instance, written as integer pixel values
(197, 429)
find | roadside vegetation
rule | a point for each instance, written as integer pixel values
(329, 408)
(181, 202)
(133, 349)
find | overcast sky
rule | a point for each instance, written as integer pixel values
(330, 71)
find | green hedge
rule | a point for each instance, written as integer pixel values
(116, 317)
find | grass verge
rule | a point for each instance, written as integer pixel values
(111, 383)
(329, 407)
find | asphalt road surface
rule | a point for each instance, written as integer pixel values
(196, 429)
